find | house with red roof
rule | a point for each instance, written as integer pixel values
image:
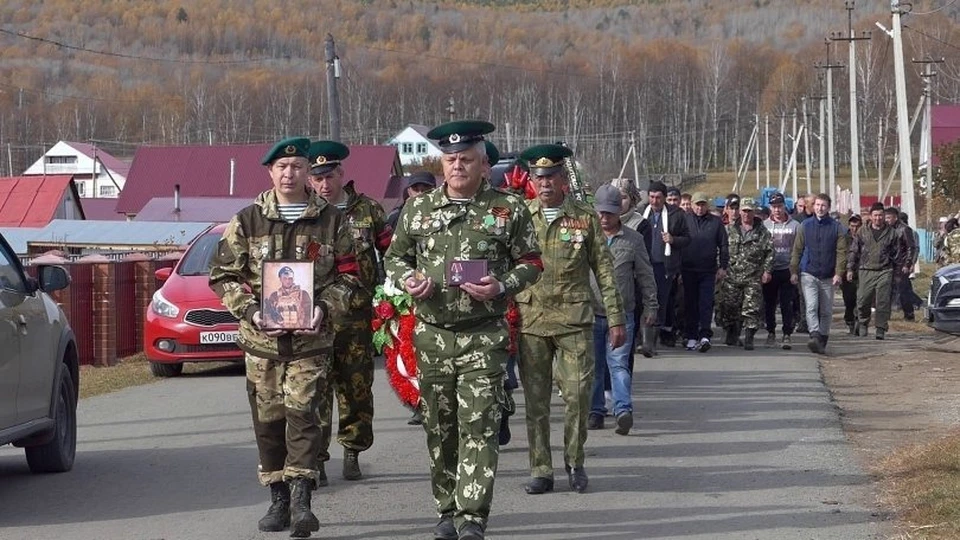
(191, 172)
(97, 173)
(27, 201)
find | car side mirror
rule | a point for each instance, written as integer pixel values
(52, 278)
(163, 274)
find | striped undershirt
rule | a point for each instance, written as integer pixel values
(550, 214)
(459, 201)
(290, 212)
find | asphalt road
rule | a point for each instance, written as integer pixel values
(727, 445)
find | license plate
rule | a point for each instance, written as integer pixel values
(207, 338)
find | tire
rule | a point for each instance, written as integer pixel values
(159, 369)
(58, 454)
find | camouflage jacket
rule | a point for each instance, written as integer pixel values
(433, 230)
(951, 247)
(371, 236)
(751, 252)
(573, 246)
(258, 233)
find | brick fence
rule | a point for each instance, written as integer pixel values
(106, 302)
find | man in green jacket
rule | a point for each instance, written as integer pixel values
(557, 317)
(460, 251)
(351, 375)
(285, 369)
(873, 255)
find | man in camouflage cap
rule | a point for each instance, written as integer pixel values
(557, 317)
(284, 369)
(751, 260)
(461, 333)
(351, 375)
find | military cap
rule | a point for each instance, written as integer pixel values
(545, 159)
(421, 177)
(291, 147)
(657, 187)
(454, 137)
(777, 198)
(607, 199)
(285, 271)
(699, 197)
(493, 153)
(326, 155)
(747, 203)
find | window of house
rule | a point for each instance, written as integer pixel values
(406, 148)
(421, 148)
(61, 160)
(108, 191)
(81, 188)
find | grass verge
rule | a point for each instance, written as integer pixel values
(133, 371)
(922, 484)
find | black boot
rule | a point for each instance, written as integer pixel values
(278, 516)
(649, 347)
(302, 519)
(730, 336)
(823, 343)
(748, 339)
(814, 343)
(351, 465)
(322, 480)
(504, 436)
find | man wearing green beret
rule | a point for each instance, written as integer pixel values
(351, 375)
(460, 251)
(557, 317)
(285, 369)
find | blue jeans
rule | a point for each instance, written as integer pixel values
(617, 363)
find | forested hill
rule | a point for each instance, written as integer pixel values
(686, 75)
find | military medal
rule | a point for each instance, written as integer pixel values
(482, 245)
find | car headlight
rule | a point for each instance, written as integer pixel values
(161, 306)
(954, 302)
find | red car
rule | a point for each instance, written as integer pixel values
(186, 322)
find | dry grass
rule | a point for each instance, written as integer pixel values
(922, 484)
(131, 371)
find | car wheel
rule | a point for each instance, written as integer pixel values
(57, 455)
(159, 369)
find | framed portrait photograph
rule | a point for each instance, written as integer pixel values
(286, 302)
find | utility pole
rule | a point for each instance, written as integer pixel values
(907, 203)
(852, 38)
(926, 146)
(333, 95)
(783, 118)
(766, 159)
(451, 110)
(756, 122)
(636, 167)
(796, 143)
(880, 159)
(829, 67)
(806, 142)
(509, 137)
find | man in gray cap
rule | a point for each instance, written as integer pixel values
(633, 275)
(413, 185)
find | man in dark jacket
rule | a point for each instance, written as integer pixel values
(669, 236)
(817, 262)
(874, 255)
(908, 241)
(415, 184)
(849, 286)
(703, 263)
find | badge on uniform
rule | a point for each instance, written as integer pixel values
(316, 250)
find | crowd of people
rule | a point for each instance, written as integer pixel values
(590, 282)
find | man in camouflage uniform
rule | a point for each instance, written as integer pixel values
(739, 297)
(461, 333)
(951, 244)
(351, 375)
(284, 369)
(557, 317)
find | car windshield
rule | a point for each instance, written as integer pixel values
(196, 262)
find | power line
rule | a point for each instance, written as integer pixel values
(922, 33)
(945, 6)
(71, 47)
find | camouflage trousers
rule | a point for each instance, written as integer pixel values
(574, 365)
(283, 401)
(351, 378)
(739, 302)
(462, 398)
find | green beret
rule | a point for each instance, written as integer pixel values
(493, 154)
(545, 159)
(292, 147)
(454, 137)
(326, 155)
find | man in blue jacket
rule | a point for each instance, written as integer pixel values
(818, 260)
(703, 263)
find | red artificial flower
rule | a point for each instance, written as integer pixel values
(376, 324)
(385, 310)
